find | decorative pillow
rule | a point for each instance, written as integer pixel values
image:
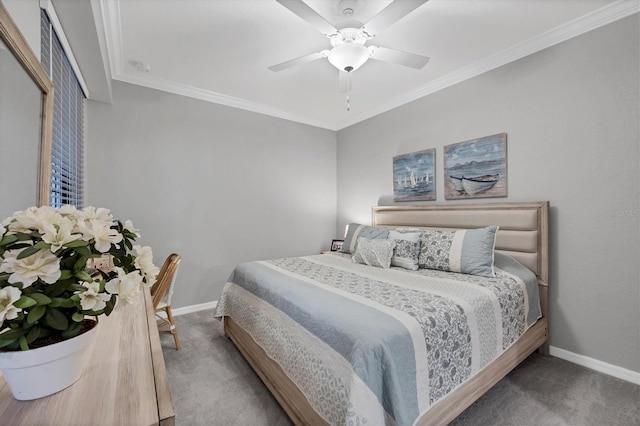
(407, 250)
(469, 251)
(374, 252)
(355, 230)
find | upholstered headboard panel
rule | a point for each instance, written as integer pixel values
(523, 232)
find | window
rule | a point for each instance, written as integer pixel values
(67, 157)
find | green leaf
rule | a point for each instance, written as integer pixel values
(75, 244)
(33, 334)
(76, 287)
(36, 313)
(82, 275)
(42, 245)
(111, 303)
(56, 289)
(4, 343)
(56, 319)
(83, 251)
(23, 343)
(81, 263)
(65, 274)
(61, 302)
(72, 331)
(11, 336)
(77, 317)
(24, 302)
(28, 252)
(40, 298)
(21, 236)
(8, 239)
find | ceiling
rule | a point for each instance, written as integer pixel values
(220, 50)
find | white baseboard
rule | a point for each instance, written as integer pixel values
(194, 308)
(585, 361)
(594, 364)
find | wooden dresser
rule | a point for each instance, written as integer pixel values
(124, 381)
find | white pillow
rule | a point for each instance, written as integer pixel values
(376, 253)
(407, 249)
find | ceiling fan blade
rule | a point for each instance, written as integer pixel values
(309, 15)
(389, 15)
(344, 81)
(397, 57)
(298, 61)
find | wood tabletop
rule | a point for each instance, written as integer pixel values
(124, 381)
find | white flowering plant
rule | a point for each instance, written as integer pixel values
(48, 286)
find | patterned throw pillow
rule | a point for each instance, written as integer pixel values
(355, 230)
(469, 251)
(376, 253)
(407, 250)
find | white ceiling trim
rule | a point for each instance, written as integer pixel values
(210, 96)
(112, 27)
(113, 36)
(586, 23)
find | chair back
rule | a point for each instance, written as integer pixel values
(162, 289)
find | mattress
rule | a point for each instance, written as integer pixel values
(378, 346)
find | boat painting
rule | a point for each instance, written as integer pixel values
(414, 176)
(457, 183)
(476, 168)
(481, 183)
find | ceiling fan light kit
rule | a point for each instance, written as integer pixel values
(349, 51)
(348, 57)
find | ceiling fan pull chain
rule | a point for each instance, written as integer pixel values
(348, 91)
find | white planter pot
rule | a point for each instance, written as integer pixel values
(44, 371)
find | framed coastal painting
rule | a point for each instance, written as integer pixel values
(414, 176)
(476, 168)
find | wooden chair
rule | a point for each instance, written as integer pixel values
(161, 292)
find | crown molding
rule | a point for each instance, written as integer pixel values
(210, 96)
(113, 36)
(596, 19)
(111, 16)
(591, 21)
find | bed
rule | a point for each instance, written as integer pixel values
(341, 342)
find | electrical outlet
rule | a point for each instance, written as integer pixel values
(103, 263)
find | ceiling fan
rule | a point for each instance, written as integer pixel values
(349, 51)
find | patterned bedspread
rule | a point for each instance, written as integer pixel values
(378, 346)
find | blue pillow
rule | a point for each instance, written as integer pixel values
(356, 230)
(469, 251)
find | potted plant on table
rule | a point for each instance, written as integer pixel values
(51, 295)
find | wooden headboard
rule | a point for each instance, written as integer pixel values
(523, 229)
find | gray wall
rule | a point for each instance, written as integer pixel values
(216, 184)
(571, 116)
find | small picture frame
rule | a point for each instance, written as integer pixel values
(336, 245)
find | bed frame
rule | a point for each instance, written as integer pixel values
(523, 234)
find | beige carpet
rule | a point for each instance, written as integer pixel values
(211, 384)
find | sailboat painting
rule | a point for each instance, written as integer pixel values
(476, 168)
(414, 176)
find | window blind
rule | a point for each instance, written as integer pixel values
(67, 153)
